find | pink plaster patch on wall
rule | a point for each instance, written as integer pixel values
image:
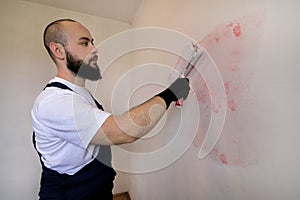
(202, 94)
(223, 159)
(220, 157)
(231, 104)
(227, 45)
(237, 30)
(230, 98)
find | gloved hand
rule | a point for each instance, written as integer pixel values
(179, 89)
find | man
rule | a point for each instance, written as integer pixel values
(72, 133)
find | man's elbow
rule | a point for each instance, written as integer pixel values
(124, 139)
(112, 138)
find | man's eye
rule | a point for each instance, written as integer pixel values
(85, 44)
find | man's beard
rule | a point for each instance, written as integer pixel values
(82, 69)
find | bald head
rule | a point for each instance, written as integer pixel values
(54, 32)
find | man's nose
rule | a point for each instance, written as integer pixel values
(94, 50)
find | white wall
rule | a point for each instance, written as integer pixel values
(25, 68)
(257, 154)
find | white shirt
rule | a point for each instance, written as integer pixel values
(64, 123)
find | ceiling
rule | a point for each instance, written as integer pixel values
(119, 10)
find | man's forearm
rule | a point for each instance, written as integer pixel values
(131, 125)
(139, 120)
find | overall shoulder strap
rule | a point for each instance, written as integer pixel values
(99, 106)
(58, 85)
(63, 86)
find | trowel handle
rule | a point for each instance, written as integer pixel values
(179, 103)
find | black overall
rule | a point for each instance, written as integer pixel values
(94, 181)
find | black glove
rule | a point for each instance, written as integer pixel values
(179, 89)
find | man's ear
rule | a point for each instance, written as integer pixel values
(57, 50)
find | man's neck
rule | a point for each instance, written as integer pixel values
(77, 80)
